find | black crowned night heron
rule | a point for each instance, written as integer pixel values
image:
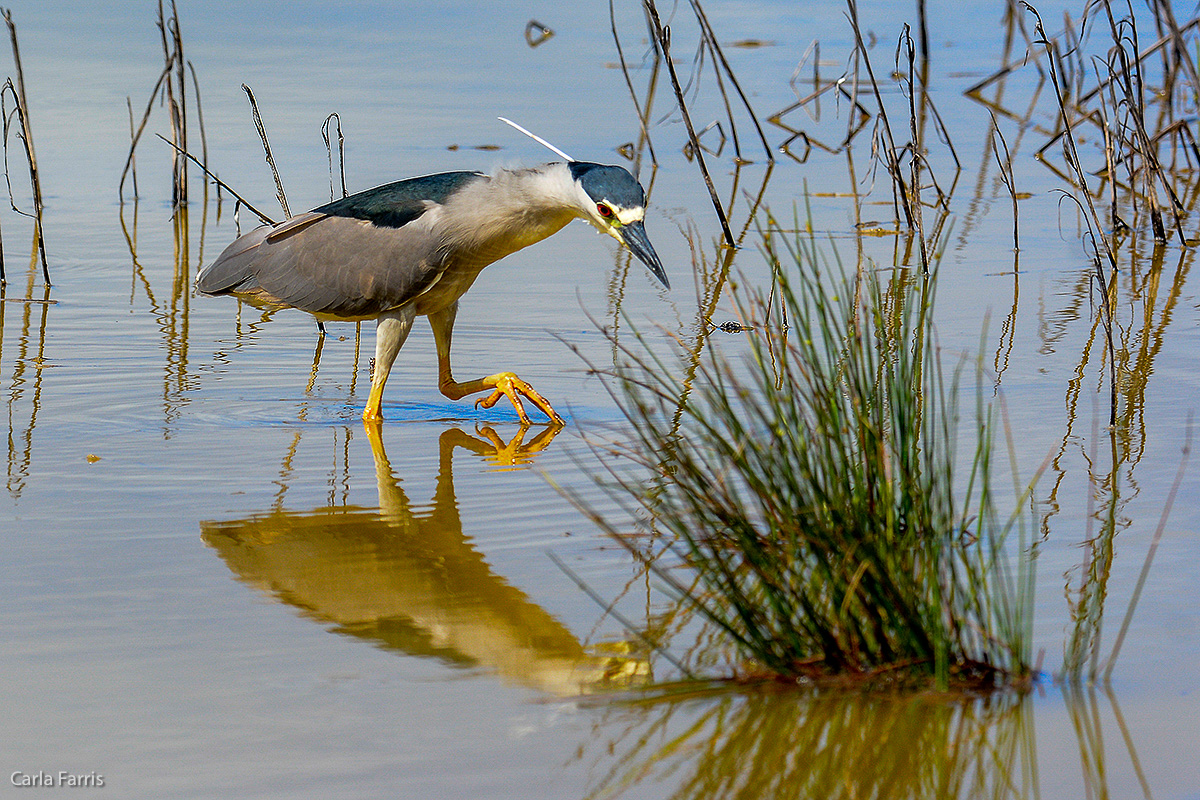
(415, 247)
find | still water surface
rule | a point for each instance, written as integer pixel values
(215, 583)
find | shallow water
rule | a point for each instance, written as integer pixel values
(216, 583)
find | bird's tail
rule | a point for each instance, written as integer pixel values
(232, 271)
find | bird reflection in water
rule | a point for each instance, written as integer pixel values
(411, 581)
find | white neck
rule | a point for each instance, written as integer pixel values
(511, 209)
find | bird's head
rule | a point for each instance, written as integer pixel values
(612, 200)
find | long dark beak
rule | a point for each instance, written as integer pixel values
(635, 238)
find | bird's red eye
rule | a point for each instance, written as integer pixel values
(604, 210)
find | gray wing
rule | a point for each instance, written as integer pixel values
(355, 257)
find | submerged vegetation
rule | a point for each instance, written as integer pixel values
(816, 494)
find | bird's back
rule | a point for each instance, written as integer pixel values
(394, 205)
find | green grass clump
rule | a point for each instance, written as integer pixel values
(814, 494)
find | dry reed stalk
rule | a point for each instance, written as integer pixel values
(1133, 117)
(915, 149)
(1131, 83)
(710, 38)
(199, 115)
(662, 37)
(262, 133)
(176, 97)
(171, 90)
(1006, 177)
(26, 136)
(181, 82)
(1070, 152)
(141, 128)
(643, 114)
(132, 139)
(1157, 47)
(341, 141)
(1111, 170)
(890, 155)
(1071, 155)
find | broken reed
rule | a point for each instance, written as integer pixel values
(21, 112)
(813, 494)
(334, 122)
(907, 164)
(266, 143)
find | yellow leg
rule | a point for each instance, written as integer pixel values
(390, 332)
(502, 384)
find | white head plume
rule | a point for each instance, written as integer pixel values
(536, 138)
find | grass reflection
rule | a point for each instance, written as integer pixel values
(23, 384)
(775, 743)
(766, 741)
(1111, 456)
(170, 305)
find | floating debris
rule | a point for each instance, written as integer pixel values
(730, 326)
(536, 33)
(752, 43)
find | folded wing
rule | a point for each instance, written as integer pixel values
(355, 257)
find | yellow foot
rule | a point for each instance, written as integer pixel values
(507, 384)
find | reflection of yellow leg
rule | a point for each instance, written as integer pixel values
(390, 498)
(502, 384)
(375, 436)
